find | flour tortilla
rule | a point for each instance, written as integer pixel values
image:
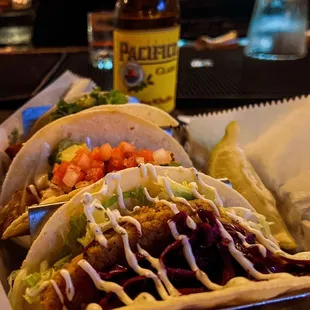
(57, 227)
(147, 112)
(95, 126)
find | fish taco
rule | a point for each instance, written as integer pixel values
(155, 238)
(73, 152)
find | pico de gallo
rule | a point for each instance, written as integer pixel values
(77, 166)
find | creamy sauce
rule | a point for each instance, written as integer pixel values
(145, 168)
(93, 306)
(270, 245)
(161, 271)
(243, 261)
(41, 177)
(197, 195)
(144, 297)
(190, 258)
(36, 290)
(171, 195)
(89, 208)
(105, 285)
(208, 187)
(69, 285)
(58, 292)
(34, 191)
(190, 222)
(261, 248)
(131, 257)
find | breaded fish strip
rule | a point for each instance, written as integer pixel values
(156, 236)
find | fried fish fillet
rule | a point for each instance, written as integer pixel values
(15, 208)
(156, 236)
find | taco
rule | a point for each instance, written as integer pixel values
(155, 238)
(103, 100)
(74, 151)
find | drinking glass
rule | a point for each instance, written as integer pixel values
(100, 39)
(278, 30)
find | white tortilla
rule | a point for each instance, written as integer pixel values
(101, 127)
(243, 291)
(55, 230)
(147, 112)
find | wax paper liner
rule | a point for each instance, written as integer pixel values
(204, 131)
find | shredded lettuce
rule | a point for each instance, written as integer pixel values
(59, 264)
(77, 229)
(32, 279)
(12, 277)
(95, 98)
(137, 194)
(32, 300)
(178, 189)
(87, 239)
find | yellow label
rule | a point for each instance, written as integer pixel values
(146, 65)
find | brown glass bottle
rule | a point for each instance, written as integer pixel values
(146, 51)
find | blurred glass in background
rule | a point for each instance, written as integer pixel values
(100, 39)
(16, 22)
(278, 30)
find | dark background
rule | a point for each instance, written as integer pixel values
(64, 22)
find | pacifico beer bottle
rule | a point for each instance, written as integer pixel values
(146, 50)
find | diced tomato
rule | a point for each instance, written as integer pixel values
(130, 162)
(146, 154)
(57, 178)
(63, 168)
(55, 168)
(96, 154)
(71, 176)
(106, 151)
(162, 157)
(117, 154)
(139, 160)
(97, 164)
(81, 177)
(127, 149)
(79, 153)
(94, 174)
(84, 162)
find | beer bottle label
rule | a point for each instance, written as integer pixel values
(146, 65)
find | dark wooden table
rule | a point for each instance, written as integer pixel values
(233, 81)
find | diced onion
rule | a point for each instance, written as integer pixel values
(162, 157)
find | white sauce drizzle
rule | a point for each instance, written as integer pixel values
(41, 177)
(190, 258)
(89, 207)
(261, 248)
(105, 285)
(58, 292)
(196, 194)
(131, 258)
(69, 285)
(36, 290)
(34, 191)
(243, 261)
(172, 196)
(206, 186)
(161, 271)
(189, 221)
(143, 297)
(93, 306)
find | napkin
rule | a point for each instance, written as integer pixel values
(68, 85)
(274, 136)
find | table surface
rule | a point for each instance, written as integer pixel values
(233, 81)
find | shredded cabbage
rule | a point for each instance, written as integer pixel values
(32, 279)
(12, 277)
(87, 239)
(178, 189)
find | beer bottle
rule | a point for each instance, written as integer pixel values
(146, 50)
